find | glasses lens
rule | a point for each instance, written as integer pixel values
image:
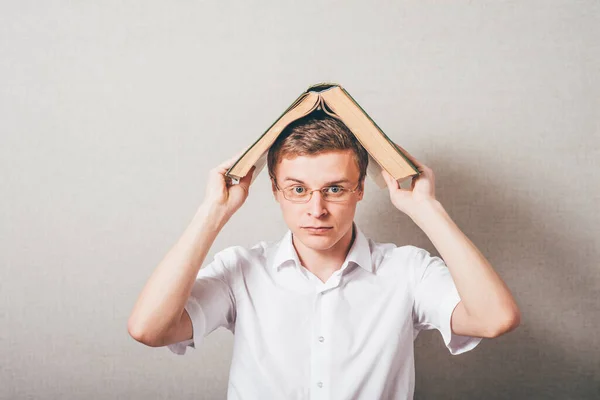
(296, 193)
(300, 194)
(336, 193)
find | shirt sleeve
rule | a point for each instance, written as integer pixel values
(211, 303)
(435, 299)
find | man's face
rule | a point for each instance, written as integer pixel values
(315, 172)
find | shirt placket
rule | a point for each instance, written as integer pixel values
(320, 382)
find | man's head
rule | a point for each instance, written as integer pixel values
(314, 152)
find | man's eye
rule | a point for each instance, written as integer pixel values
(298, 189)
(335, 189)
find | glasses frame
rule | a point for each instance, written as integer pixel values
(310, 191)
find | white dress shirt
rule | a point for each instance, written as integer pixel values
(296, 337)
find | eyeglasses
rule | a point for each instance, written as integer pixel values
(300, 194)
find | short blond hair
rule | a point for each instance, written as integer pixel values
(316, 133)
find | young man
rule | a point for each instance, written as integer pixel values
(324, 313)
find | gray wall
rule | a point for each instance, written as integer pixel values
(111, 115)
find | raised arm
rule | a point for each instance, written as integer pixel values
(158, 316)
(487, 308)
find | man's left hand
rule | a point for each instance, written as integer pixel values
(422, 189)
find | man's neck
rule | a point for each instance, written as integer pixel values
(326, 262)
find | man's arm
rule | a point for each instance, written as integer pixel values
(158, 317)
(487, 308)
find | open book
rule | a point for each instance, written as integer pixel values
(337, 102)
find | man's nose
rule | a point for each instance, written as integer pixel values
(317, 204)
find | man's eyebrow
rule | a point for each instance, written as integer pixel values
(328, 183)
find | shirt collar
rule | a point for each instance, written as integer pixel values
(360, 252)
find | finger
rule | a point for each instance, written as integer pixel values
(246, 180)
(389, 180)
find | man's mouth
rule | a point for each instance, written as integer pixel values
(317, 229)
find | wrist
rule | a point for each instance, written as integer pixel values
(425, 210)
(213, 216)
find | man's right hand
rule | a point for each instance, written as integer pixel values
(221, 193)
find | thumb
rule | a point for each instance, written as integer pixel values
(390, 181)
(238, 193)
(247, 179)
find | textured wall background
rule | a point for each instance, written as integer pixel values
(112, 113)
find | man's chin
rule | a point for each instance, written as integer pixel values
(317, 242)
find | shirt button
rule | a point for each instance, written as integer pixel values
(320, 384)
(321, 338)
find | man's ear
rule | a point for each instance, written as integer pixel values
(361, 190)
(274, 189)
